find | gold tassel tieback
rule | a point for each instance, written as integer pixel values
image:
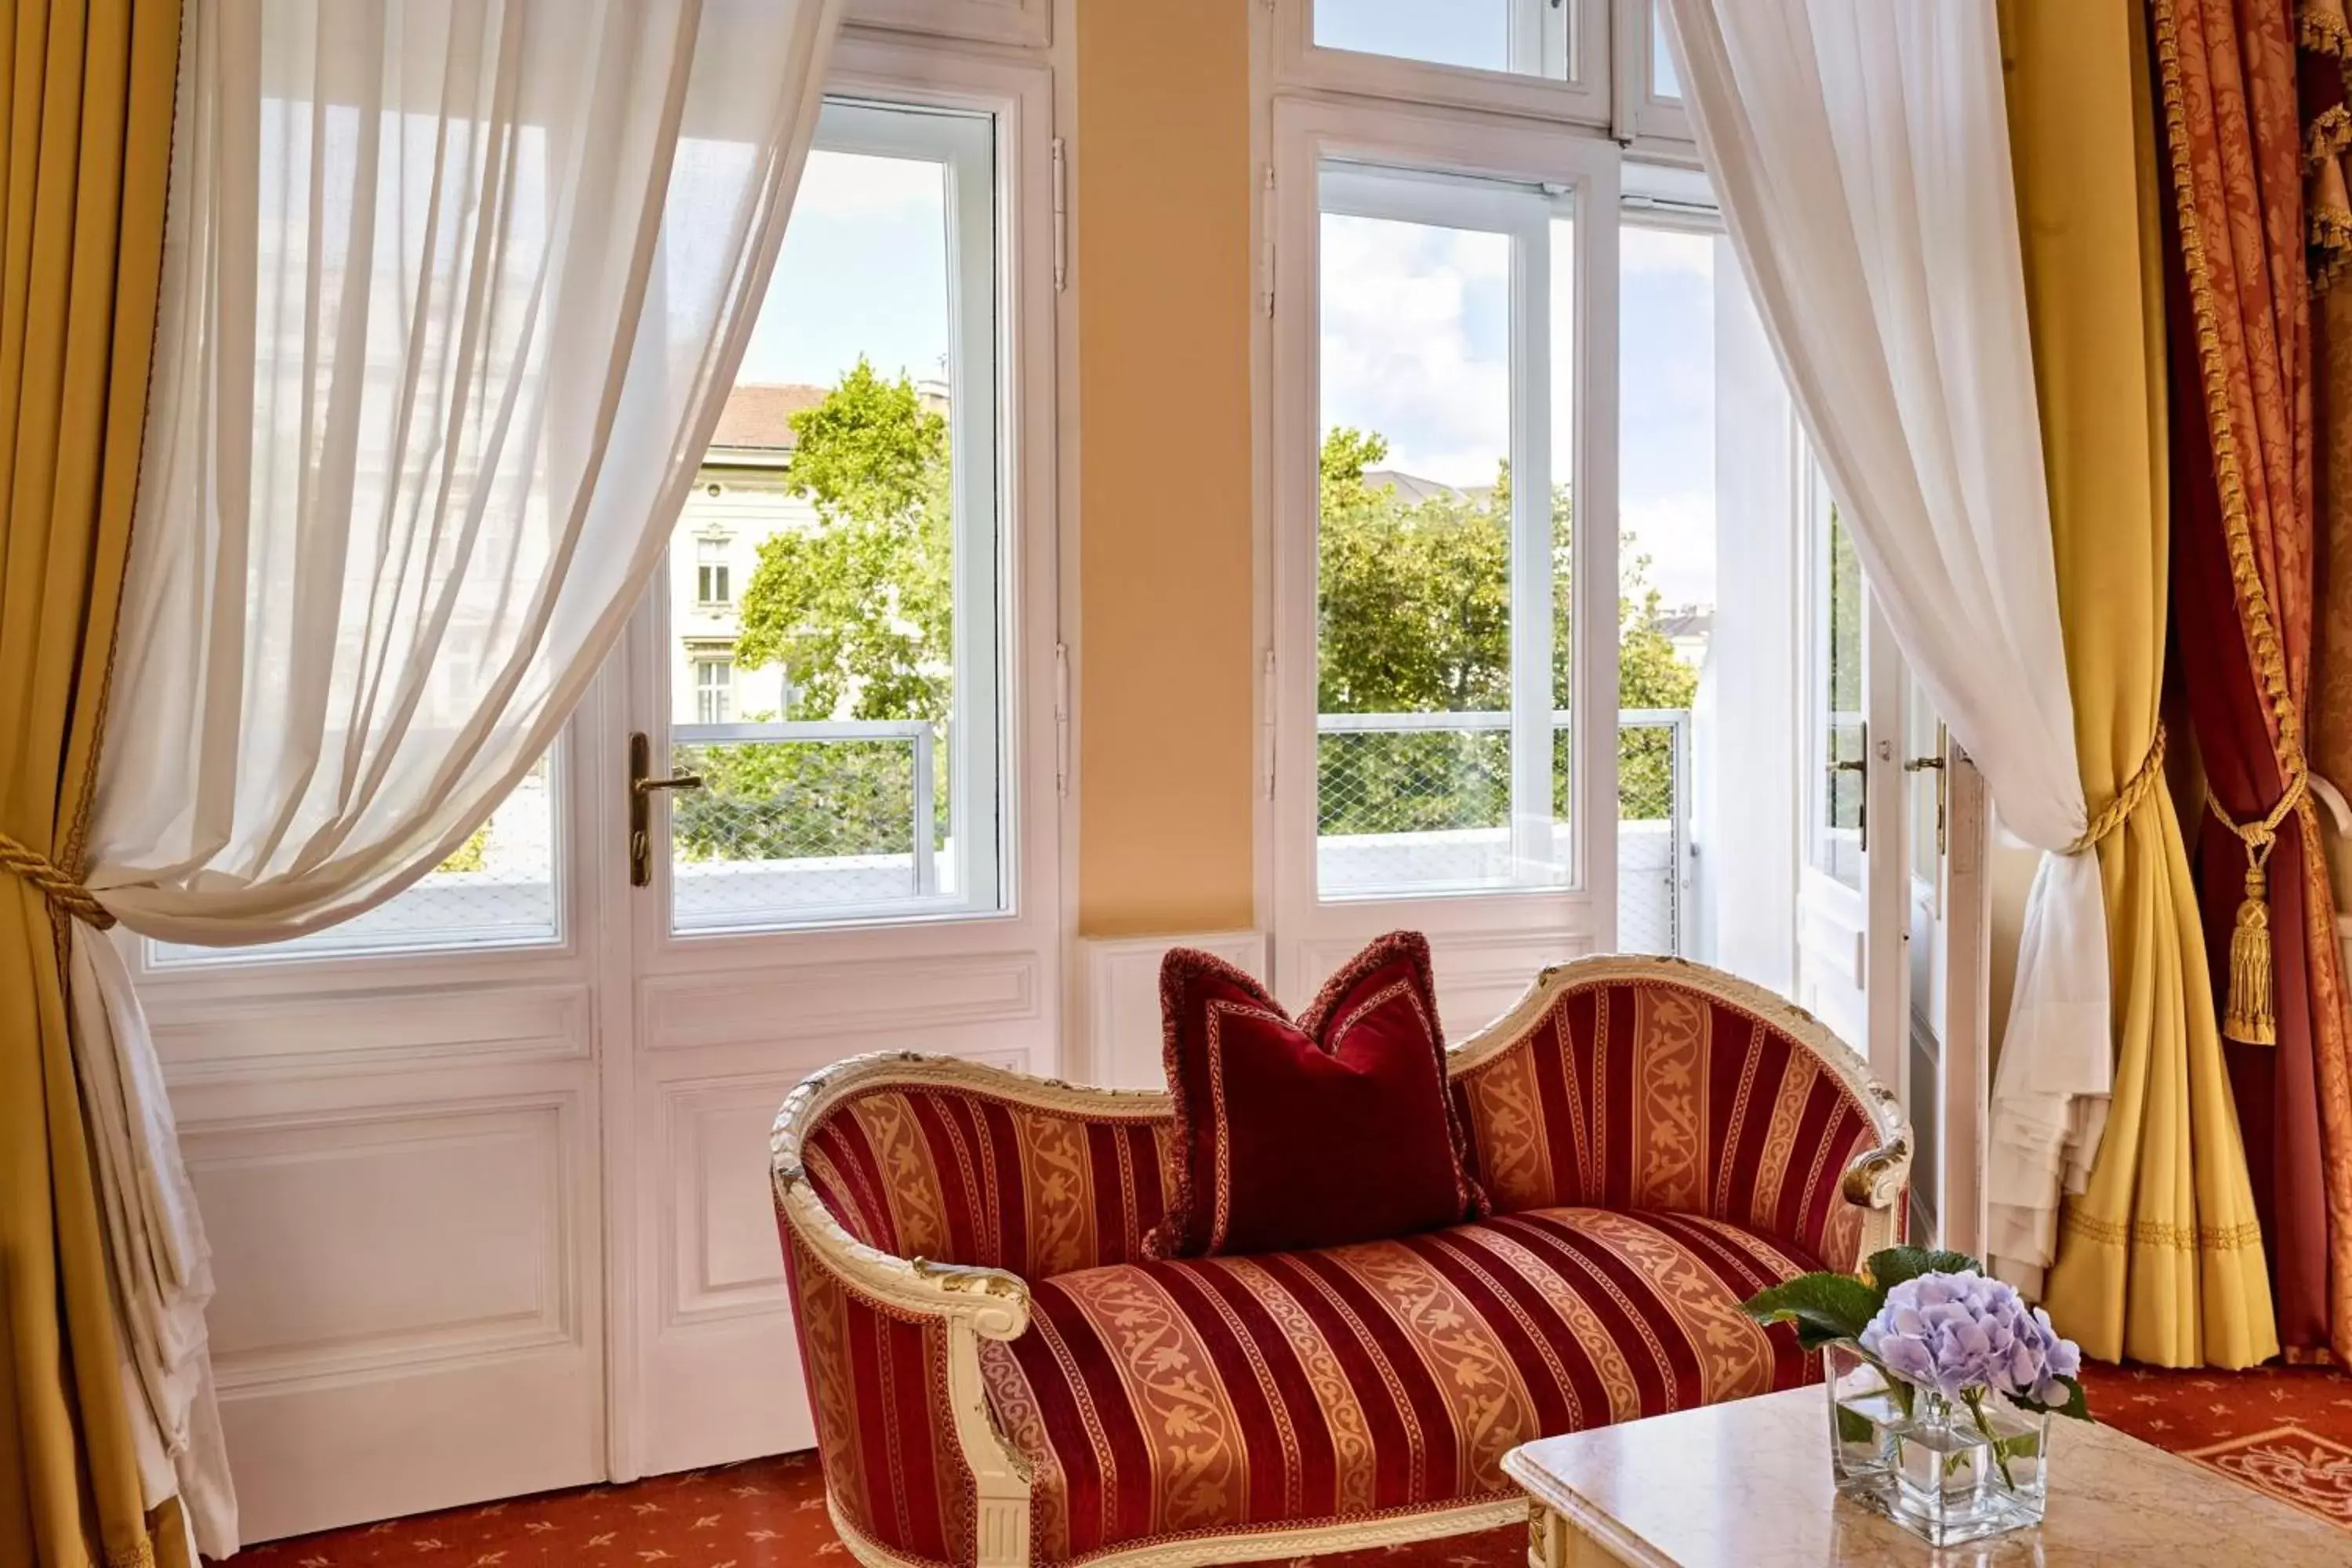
(2251, 1014)
(60, 889)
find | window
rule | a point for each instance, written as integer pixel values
(711, 586)
(497, 890)
(714, 690)
(1666, 421)
(1444, 647)
(860, 772)
(1836, 822)
(1663, 83)
(1529, 37)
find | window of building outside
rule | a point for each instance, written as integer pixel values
(714, 690)
(711, 584)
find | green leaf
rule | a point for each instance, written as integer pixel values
(1892, 1266)
(1826, 1308)
(1855, 1427)
(2074, 1405)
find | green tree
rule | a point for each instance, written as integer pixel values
(860, 611)
(1414, 617)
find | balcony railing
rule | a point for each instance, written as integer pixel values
(835, 817)
(1420, 803)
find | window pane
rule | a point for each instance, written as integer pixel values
(1666, 590)
(1663, 83)
(497, 891)
(1527, 36)
(1434, 766)
(835, 647)
(1837, 825)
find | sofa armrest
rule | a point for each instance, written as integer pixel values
(1876, 1184)
(950, 1487)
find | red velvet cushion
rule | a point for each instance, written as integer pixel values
(1334, 1128)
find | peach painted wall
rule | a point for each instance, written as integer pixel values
(1160, 214)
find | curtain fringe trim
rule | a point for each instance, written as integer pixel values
(2159, 1233)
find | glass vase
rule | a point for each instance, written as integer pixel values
(1947, 1470)
(1864, 1406)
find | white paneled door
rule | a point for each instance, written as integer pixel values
(485, 1171)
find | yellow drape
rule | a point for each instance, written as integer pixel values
(85, 152)
(2160, 1259)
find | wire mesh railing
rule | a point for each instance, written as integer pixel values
(800, 817)
(1421, 802)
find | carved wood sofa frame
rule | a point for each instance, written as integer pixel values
(973, 1303)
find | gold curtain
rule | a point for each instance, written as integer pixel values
(85, 152)
(2160, 1259)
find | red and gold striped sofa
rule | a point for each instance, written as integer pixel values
(999, 1377)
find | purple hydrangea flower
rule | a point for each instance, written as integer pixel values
(1955, 1332)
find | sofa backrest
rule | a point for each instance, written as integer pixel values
(1654, 1093)
(1618, 1083)
(958, 1175)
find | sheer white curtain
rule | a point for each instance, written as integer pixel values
(1861, 152)
(454, 291)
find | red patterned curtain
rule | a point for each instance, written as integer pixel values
(2239, 322)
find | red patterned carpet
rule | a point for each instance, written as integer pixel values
(2286, 1431)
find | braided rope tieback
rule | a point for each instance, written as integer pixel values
(2127, 799)
(60, 889)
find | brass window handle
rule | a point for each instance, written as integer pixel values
(641, 798)
(1861, 801)
(694, 781)
(1943, 785)
(1860, 764)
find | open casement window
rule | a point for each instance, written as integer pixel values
(1892, 901)
(1442, 622)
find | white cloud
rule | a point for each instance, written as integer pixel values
(1403, 307)
(1676, 530)
(1641, 249)
(858, 184)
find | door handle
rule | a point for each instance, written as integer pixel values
(642, 785)
(694, 781)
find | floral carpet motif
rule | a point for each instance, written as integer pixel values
(2284, 1431)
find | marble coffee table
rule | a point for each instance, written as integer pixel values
(1747, 1484)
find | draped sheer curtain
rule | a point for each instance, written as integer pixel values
(453, 292)
(1860, 152)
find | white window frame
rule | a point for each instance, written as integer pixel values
(714, 678)
(1505, 927)
(1817, 721)
(1655, 125)
(1026, 22)
(886, 123)
(711, 566)
(1001, 413)
(1609, 43)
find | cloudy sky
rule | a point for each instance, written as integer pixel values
(1415, 339)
